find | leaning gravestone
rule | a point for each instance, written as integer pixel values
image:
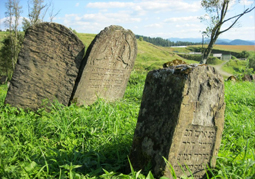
(109, 61)
(181, 118)
(47, 66)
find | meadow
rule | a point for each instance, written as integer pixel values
(94, 141)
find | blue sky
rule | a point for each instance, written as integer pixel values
(154, 18)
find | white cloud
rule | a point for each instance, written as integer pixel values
(97, 21)
(187, 25)
(152, 6)
(110, 17)
(77, 4)
(153, 26)
(182, 19)
(3, 26)
(103, 5)
(246, 2)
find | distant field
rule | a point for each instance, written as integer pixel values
(86, 38)
(232, 48)
(236, 48)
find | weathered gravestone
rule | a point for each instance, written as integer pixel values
(47, 66)
(109, 61)
(181, 118)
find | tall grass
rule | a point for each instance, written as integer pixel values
(94, 141)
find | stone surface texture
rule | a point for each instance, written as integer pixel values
(47, 66)
(109, 61)
(181, 118)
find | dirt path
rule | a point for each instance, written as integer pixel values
(222, 72)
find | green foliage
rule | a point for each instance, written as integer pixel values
(73, 30)
(194, 49)
(243, 54)
(213, 61)
(191, 57)
(163, 42)
(37, 11)
(7, 57)
(235, 66)
(236, 155)
(94, 141)
(233, 57)
(252, 61)
(68, 141)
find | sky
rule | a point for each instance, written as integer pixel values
(153, 18)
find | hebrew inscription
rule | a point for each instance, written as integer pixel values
(109, 64)
(195, 150)
(47, 67)
(181, 119)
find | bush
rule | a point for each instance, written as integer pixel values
(244, 54)
(233, 57)
(213, 61)
(191, 57)
(252, 62)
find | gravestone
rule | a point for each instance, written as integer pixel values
(109, 61)
(181, 118)
(47, 66)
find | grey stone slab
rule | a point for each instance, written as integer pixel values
(109, 61)
(181, 118)
(47, 66)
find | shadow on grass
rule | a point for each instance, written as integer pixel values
(90, 164)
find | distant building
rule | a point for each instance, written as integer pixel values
(218, 55)
(226, 57)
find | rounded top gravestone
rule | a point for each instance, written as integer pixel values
(47, 66)
(109, 61)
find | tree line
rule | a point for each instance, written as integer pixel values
(13, 40)
(164, 42)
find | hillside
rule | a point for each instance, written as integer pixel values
(151, 57)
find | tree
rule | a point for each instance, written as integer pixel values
(35, 13)
(11, 43)
(16, 43)
(51, 13)
(217, 11)
(251, 59)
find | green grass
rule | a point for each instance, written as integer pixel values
(235, 66)
(237, 152)
(94, 141)
(86, 38)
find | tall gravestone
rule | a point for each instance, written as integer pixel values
(109, 61)
(47, 66)
(181, 118)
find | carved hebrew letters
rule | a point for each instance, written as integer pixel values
(183, 117)
(109, 64)
(195, 149)
(47, 67)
